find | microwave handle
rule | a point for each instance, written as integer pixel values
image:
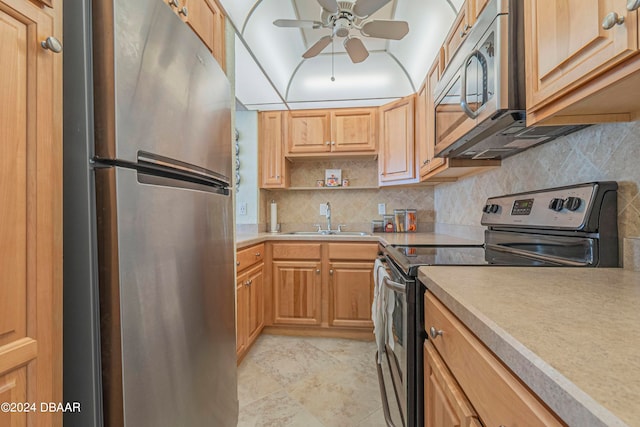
(463, 83)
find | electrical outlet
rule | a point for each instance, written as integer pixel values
(323, 209)
(381, 209)
(242, 209)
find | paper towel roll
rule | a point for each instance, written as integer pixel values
(274, 217)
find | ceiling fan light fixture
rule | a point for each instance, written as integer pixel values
(341, 27)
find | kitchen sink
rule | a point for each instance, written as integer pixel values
(330, 233)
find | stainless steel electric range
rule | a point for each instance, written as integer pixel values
(572, 226)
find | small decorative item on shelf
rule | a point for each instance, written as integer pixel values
(399, 218)
(411, 221)
(345, 182)
(320, 183)
(332, 177)
(388, 223)
(377, 226)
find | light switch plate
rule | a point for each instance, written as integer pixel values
(381, 209)
(242, 209)
(323, 209)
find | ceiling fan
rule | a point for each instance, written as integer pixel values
(346, 15)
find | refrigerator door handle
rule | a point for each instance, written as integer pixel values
(170, 166)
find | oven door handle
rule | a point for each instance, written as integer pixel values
(539, 257)
(394, 286)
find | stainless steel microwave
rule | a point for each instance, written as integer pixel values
(480, 98)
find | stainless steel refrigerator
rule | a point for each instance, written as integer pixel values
(149, 305)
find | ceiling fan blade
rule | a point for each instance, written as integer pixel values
(356, 50)
(317, 48)
(329, 5)
(383, 29)
(296, 23)
(368, 7)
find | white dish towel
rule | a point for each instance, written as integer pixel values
(382, 309)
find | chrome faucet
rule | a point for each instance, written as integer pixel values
(328, 215)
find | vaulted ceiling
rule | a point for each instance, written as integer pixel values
(272, 74)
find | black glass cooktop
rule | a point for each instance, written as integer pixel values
(409, 258)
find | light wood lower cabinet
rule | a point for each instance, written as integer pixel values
(494, 392)
(445, 405)
(297, 292)
(350, 294)
(249, 297)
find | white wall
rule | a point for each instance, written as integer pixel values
(247, 192)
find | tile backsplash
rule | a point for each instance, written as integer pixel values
(597, 153)
(299, 209)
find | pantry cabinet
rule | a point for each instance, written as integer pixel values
(206, 19)
(274, 168)
(396, 158)
(249, 297)
(30, 209)
(463, 375)
(582, 61)
(349, 131)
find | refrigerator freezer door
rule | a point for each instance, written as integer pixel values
(158, 89)
(167, 303)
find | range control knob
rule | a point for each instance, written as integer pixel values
(572, 203)
(556, 204)
(491, 208)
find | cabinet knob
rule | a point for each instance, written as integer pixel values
(327, 143)
(318, 271)
(257, 253)
(330, 271)
(237, 262)
(333, 143)
(435, 332)
(465, 30)
(51, 43)
(174, 3)
(184, 11)
(612, 19)
(633, 5)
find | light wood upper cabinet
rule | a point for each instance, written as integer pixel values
(206, 19)
(459, 30)
(30, 211)
(396, 158)
(576, 69)
(353, 130)
(340, 131)
(309, 131)
(273, 165)
(427, 141)
(478, 7)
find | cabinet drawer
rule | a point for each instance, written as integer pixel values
(494, 391)
(353, 251)
(249, 256)
(292, 251)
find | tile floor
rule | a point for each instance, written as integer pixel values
(309, 382)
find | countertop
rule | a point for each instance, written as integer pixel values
(571, 334)
(248, 239)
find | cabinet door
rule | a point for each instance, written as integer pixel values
(241, 314)
(445, 405)
(396, 159)
(459, 30)
(429, 161)
(272, 161)
(567, 45)
(30, 212)
(296, 292)
(422, 99)
(353, 130)
(350, 294)
(309, 132)
(255, 297)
